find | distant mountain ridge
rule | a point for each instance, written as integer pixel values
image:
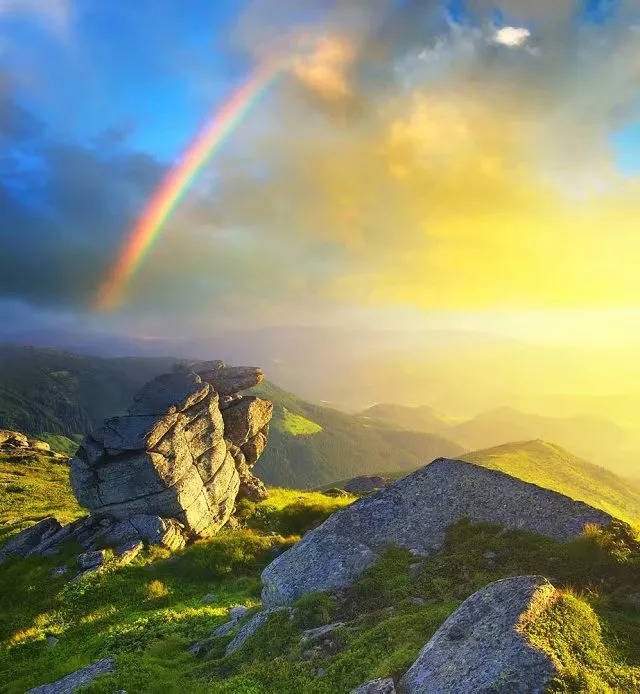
(44, 390)
(587, 436)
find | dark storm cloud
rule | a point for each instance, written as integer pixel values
(65, 209)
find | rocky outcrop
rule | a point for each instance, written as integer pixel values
(169, 470)
(415, 512)
(16, 442)
(249, 629)
(173, 466)
(77, 679)
(480, 647)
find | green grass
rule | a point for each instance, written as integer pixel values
(147, 614)
(297, 425)
(61, 443)
(33, 486)
(550, 466)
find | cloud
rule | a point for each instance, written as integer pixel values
(512, 36)
(323, 67)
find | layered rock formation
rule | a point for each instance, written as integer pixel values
(169, 470)
(415, 512)
(183, 452)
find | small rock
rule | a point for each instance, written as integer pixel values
(238, 612)
(418, 601)
(21, 544)
(52, 641)
(382, 685)
(320, 671)
(60, 570)
(90, 560)
(197, 649)
(128, 551)
(490, 556)
(77, 679)
(253, 625)
(313, 635)
(209, 597)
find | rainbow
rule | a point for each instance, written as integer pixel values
(146, 230)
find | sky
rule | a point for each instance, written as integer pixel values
(467, 166)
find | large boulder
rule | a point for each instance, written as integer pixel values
(169, 469)
(415, 512)
(481, 648)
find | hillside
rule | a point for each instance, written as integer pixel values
(421, 418)
(591, 437)
(46, 390)
(310, 445)
(550, 466)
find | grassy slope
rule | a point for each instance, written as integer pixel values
(310, 445)
(422, 418)
(33, 486)
(550, 466)
(147, 614)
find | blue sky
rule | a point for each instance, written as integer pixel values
(98, 98)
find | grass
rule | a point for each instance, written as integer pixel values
(68, 445)
(550, 466)
(147, 614)
(297, 425)
(33, 486)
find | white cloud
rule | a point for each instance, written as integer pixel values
(512, 36)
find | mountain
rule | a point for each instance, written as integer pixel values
(46, 392)
(552, 467)
(311, 445)
(588, 436)
(591, 437)
(421, 418)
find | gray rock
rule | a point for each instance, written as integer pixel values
(52, 641)
(77, 679)
(60, 570)
(209, 597)
(246, 418)
(378, 686)
(24, 542)
(250, 628)
(480, 647)
(228, 380)
(309, 636)
(90, 560)
(415, 512)
(128, 551)
(169, 460)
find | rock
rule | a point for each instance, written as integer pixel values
(309, 636)
(209, 597)
(235, 615)
(490, 556)
(365, 484)
(480, 647)
(52, 641)
(128, 551)
(378, 686)
(169, 471)
(13, 438)
(21, 544)
(60, 570)
(228, 380)
(250, 628)
(77, 679)
(415, 512)
(246, 418)
(238, 612)
(90, 560)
